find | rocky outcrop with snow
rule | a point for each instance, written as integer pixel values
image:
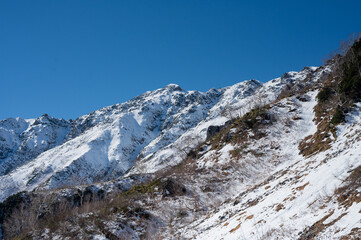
(23, 140)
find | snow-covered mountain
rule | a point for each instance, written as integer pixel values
(144, 134)
(274, 160)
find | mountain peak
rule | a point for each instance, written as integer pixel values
(173, 87)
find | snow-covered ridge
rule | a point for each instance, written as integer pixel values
(144, 134)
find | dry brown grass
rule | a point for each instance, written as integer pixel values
(336, 97)
(348, 193)
(235, 229)
(355, 234)
(279, 207)
(249, 217)
(300, 188)
(312, 231)
(66, 218)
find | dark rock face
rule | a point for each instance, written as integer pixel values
(213, 131)
(173, 188)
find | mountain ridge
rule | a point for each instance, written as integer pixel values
(164, 115)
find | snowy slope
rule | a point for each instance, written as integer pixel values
(145, 134)
(297, 196)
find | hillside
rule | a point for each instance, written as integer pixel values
(278, 160)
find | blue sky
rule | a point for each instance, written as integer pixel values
(68, 58)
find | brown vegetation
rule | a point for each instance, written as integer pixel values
(355, 234)
(255, 120)
(70, 216)
(336, 97)
(236, 228)
(348, 193)
(300, 188)
(279, 207)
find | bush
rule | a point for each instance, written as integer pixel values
(324, 94)
(338, 117)
(253, 116)
(236, 152)
(10, 204)
(350, 83)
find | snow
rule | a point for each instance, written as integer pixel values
(270, 192)
(99, 237)
(143, 135)
(304, 190)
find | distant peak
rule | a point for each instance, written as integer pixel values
(253, 81)
(173, 87)
(309, 68)
(248, 83)
(288, 75)
(45, 118)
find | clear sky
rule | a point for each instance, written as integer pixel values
(68, 58)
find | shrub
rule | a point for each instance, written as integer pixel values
(351, 81)
(324, 94)
(235, 152)
(350, 84)
(252, 117)
(10, 204)
(144, 188)
(338, 117)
